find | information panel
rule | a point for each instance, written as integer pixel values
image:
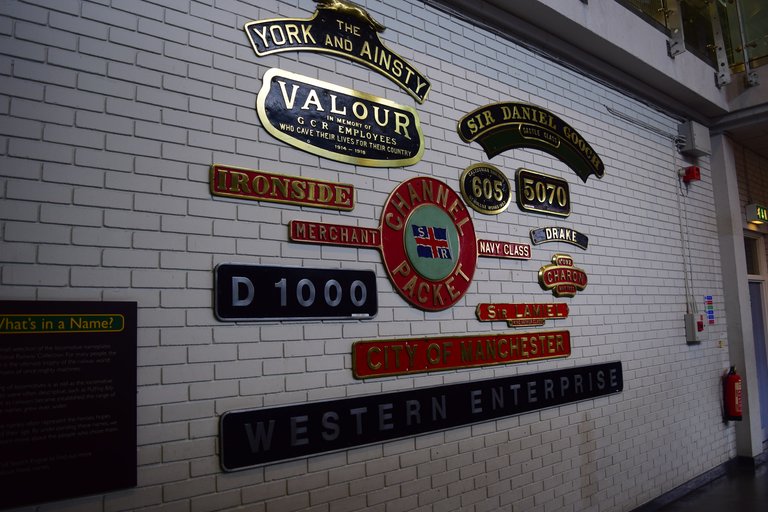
(67, 399)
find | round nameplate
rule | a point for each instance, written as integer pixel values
(485, 188)
(428, 243)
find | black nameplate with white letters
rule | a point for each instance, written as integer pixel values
(555, 234)
(263, 292)
(258, 436)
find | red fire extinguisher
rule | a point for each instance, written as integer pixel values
(732, 395)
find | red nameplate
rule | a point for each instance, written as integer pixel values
(416, 355)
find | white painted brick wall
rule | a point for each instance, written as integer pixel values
(110, 118)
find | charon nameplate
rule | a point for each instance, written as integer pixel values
(498, 127)
(246, 292)
(339, 123)
(562, 277)
(237, 182)
(252, 437)
(344, 29)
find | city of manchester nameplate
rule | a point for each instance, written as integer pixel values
(343, 29)
(383, 358)
(339, 123)
(252, 437)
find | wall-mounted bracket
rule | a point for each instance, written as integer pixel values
(723, 73)
(676, 41)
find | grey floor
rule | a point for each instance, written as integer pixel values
(742, 489)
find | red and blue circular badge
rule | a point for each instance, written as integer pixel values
(428, 243)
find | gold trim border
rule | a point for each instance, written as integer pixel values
(339, 157)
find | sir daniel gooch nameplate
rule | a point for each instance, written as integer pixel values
(339, 123)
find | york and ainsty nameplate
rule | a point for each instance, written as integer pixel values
(343, 29)
(339, 123)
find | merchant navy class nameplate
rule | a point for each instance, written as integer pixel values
(339, 123)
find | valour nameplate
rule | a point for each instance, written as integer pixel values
(254, 437)
(343, 29)
(245, 292)
(237, 182)
(339, 123)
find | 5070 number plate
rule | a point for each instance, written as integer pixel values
(262, 292)
(542, 193)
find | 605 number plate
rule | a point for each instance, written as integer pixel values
(542, 193)
(262, 292)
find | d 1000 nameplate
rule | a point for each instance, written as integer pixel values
(261, 292)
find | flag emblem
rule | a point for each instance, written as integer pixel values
(431, 242)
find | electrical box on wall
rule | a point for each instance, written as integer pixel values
(693, 328)
(696, 139)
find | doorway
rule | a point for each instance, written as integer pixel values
(754, 251)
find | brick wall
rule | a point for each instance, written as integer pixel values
(113, 112)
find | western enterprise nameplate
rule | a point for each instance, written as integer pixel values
(521, 315)
(339, 123)
(252, 437)
(542, 193)
(556, 234)
(426, 238)
(498, 127)
(340, 28)
(244, 292)
(383, 358)
(485, 188)
(562, 277)
(237, 182)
